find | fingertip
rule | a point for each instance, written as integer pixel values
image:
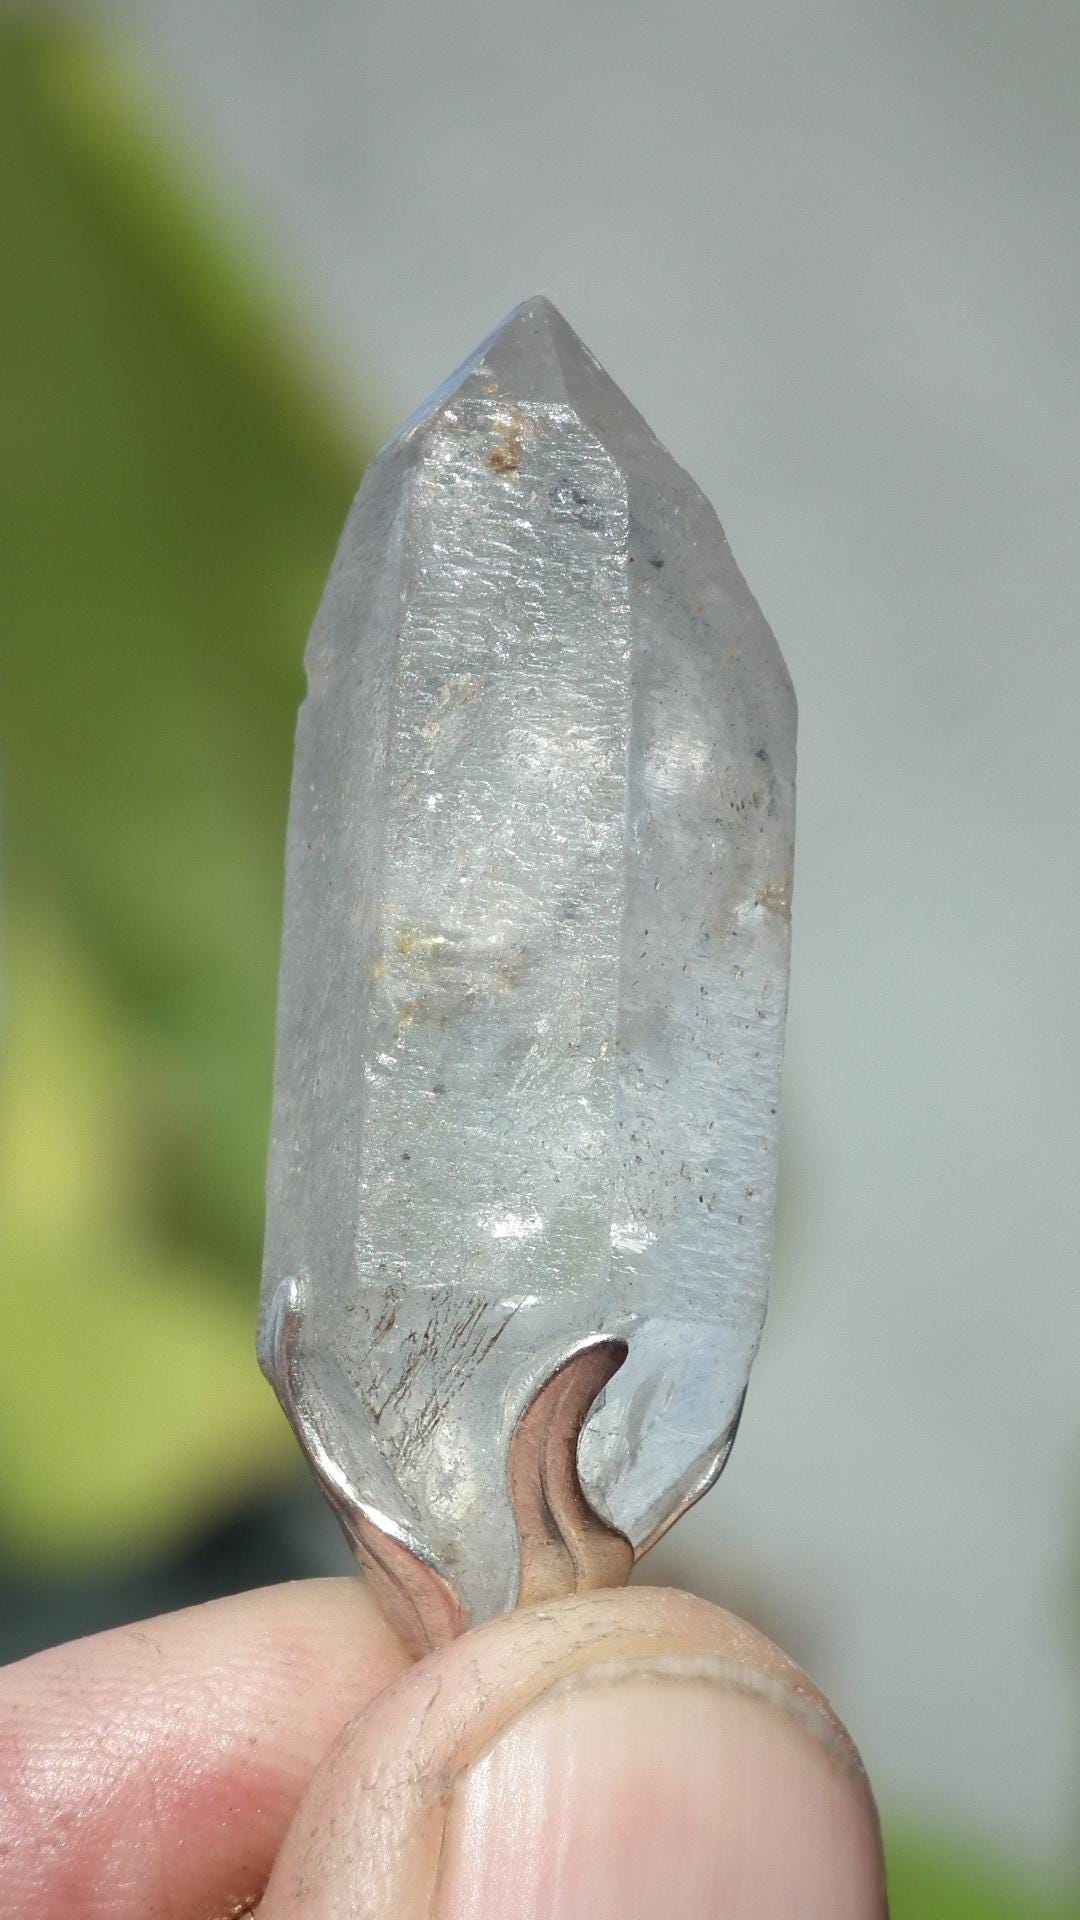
(660, 1786)
(619, 1754)
(163, 1761)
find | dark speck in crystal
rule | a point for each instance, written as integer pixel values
(570, 503)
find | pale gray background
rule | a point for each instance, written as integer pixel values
(830, 251)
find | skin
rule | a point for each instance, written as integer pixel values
(617, 1754)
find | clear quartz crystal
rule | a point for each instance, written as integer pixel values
(535, 963)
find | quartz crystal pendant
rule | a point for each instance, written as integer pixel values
(539, 873)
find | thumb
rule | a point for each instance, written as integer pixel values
(613, 1757)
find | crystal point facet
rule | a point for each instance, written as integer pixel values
(535, 967)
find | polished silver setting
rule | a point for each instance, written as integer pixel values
(532, 994)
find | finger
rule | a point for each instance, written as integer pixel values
(149, 1773)
(620, 1756)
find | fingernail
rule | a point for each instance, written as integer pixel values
(687, 1789)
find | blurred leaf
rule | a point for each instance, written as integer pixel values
(126, 1382)
(170, 494)
(935, 1880)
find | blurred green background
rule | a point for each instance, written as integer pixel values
(173, 476)
(171, 495)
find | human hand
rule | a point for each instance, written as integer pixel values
(619, 1756)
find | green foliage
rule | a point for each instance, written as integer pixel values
(169, 495)
(934, 1880)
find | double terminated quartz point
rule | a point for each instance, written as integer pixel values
(532, 997)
